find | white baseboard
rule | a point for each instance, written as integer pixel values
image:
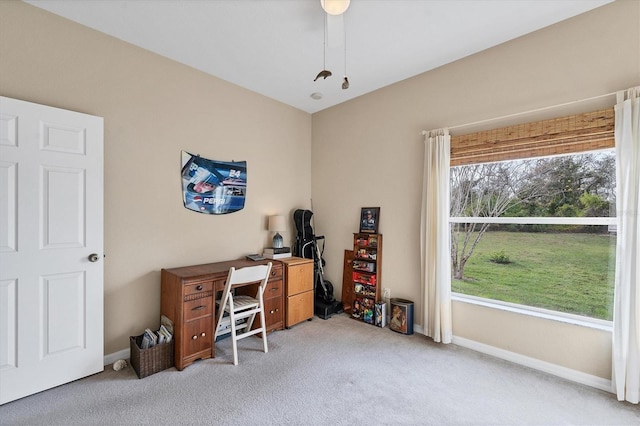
(536, 364)
(113, 357)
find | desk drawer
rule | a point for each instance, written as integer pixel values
(299, 308)
(274, 289)
(299, 278)
(276, 271)
(198, 308)
(197, 290)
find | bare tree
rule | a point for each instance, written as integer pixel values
(483, 190)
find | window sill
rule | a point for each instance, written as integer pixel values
(535, 312)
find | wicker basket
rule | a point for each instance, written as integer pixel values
(150, 361)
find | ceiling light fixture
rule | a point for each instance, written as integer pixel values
(335, 7)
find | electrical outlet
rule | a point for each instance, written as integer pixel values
(386, 293)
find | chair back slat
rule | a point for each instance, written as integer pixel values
(248, 274)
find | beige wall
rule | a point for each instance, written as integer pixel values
(153, 108)
(566, 345)
(369, 152)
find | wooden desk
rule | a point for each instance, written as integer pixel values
(188, 299)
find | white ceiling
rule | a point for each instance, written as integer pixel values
(275, 47)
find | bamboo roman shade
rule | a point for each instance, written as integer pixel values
(574, 133)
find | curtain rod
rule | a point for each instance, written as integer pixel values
(504, 117)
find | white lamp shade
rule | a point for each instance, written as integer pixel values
(335, 7)
(277, 223)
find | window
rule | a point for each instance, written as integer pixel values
(538, 232)
(532, 214)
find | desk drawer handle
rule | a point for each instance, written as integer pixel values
(274, 289)
(195, 337)
(273, 311)
(273, 273)
(203, 334)
(197, 308)
(199, 288)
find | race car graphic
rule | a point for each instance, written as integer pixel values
(213, 187)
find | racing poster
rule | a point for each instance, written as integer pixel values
(213, 187)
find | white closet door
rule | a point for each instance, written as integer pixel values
(51, 247)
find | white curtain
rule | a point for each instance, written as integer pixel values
(626, 311)
(434, 237)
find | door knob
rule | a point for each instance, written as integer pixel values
(93, 257)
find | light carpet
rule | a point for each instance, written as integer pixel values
(328, 372)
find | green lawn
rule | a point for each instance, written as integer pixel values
(563, 272)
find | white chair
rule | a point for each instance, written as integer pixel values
(241, 306)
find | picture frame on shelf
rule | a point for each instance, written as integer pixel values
(369, 218)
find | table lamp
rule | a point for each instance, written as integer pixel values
(277, 224)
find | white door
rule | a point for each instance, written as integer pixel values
(51, 242)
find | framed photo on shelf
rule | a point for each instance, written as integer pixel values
(369, 218)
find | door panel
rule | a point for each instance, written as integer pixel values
(67, 139)
(62, 301)
(8, 206)
(63, 201)
(8, 324)
(51, 220)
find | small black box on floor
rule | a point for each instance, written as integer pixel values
(401, 316)
(325, 310)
